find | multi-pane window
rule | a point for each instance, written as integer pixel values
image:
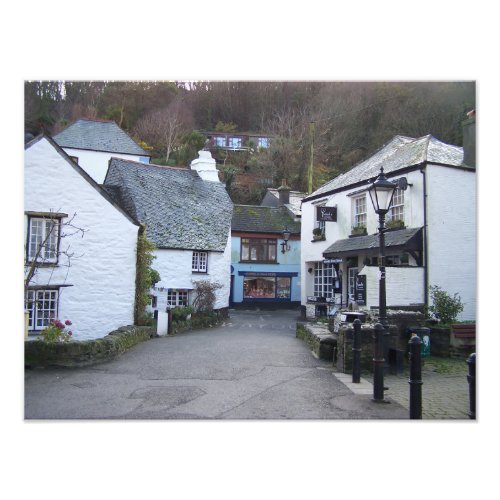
(234, 142)
(177, 297)
(323, 280)
(320, 224)
(42, 308)
(220, 142)
(43, 236)
(397, 207)
(351, 290)
(199, 262)
(263, 142)
(258, 249)
(359, 205)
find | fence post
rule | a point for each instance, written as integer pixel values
(356, 352)
(415, 380)
(471, 378)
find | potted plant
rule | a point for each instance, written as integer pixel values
(318, 234)
(358, 230)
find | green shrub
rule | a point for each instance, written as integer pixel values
(445, 307)
(181, 313)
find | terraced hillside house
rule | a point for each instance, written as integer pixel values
(80, 247)
(430, 240)
(265, 268)
(92, 143)
(187, 215)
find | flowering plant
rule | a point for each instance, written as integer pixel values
(56, 332)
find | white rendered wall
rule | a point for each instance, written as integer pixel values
(404, 285)
(95, 163)
(103, 269)
(175, 268)
(452, 234)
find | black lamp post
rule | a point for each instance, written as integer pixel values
(286, 237)
(381, 194)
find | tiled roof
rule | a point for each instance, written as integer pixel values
(295, 200)
(258, 219)
(410, 237)
(399, 153)
(98, 135)
(179, 209)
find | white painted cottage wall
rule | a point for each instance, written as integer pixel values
(103, 269)
(174, 267)
(452, 233)
(95, 163)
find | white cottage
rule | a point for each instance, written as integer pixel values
(92, 143)
(431, 238)
(83, 245)
(187, 215)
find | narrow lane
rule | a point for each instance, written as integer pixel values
(252, 367)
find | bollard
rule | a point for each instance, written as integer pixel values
(356, 352)
(415, 380)
(378, 364)
(471, 378)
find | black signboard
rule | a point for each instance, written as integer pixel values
(361, 290)
(327, 214)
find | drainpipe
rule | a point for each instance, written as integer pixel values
(426, 272)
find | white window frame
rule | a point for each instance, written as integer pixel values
(320, 224)
(359, 211)
(38, 229)
(199, 262)
(42, 305)
(177, 298)
(323, 280)
(397, 211)
(220, 141)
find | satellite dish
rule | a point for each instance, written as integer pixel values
(402, 183)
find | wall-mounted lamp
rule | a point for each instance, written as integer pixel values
(286, 236)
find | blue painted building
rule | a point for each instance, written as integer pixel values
(265, 270)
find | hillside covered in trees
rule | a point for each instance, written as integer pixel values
(345, 121)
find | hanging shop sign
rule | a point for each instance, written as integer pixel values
(326, 214)
(332, 261)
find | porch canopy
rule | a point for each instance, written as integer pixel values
(403, 240)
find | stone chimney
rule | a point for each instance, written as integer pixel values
(469, 139)
(284, 193)
(205, 166)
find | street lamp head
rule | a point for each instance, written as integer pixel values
(381, 193)
(286, 234)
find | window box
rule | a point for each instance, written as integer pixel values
(394, 224)
(358, 231)
(318, 234)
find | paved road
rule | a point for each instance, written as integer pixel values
(253, 367)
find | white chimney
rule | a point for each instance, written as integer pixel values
(205, 166)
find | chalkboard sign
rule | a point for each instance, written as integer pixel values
(327, 214)
(361, 290)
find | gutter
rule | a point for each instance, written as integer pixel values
(424, 234)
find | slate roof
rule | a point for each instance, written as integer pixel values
(258, 219)
(179, 209)
(271, 199)
(409, 238)
(399, 153)
(98, 135)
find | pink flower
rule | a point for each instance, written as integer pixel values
(59, 324)
(70, 333)
(67, 322)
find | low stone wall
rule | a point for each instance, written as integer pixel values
(74, 354)
(319, 339)
(344, 348)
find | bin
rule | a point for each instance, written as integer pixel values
(425, 337)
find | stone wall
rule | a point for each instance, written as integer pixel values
(75, 354)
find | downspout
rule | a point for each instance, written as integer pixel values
(425, 260)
